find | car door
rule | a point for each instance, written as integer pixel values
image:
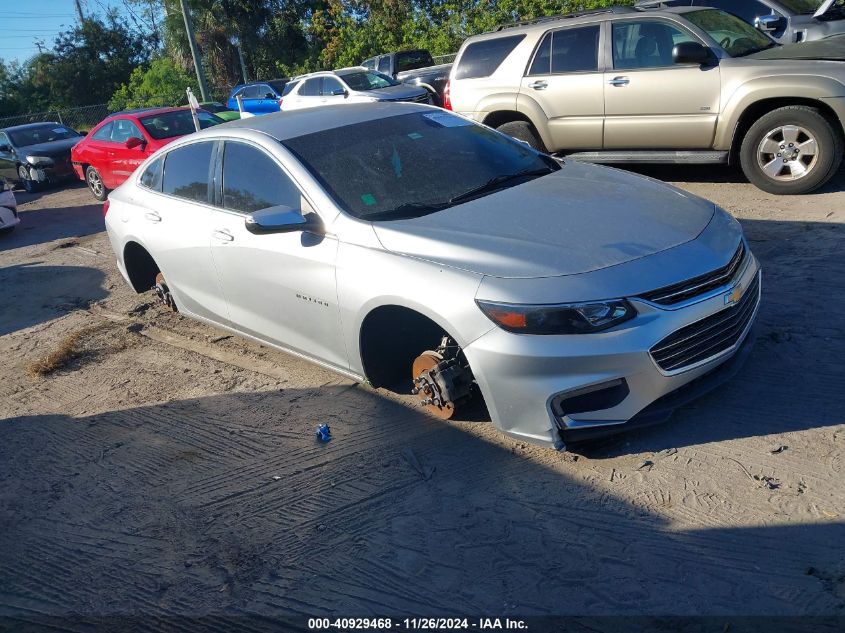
(564, 81)
(124, 160)
(268, 101)
(280, 287)
(332, 91)
(308, 95)
(97, 153)
(176, 229)
(651, 102)
(251, 98)
(8, 169)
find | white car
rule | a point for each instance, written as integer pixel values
(347, 85)
(8, 209)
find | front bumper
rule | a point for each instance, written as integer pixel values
(8, 218)
(60, 171)
(612, 375)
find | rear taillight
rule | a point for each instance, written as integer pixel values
(447, 96)
(106, 207)
(280, 103)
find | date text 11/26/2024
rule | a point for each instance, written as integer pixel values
(416, 624)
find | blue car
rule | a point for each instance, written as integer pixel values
(259, 97)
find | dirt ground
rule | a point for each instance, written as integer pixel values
(170, 469)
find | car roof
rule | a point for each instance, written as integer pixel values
(30, 126)
(583, 17)
(263, 82)
(293, 123)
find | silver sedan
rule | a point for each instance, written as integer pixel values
(415, 250)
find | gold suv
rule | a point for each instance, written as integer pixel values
(669, 85)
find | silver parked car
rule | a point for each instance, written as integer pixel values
(410, 247)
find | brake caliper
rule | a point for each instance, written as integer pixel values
(442, 379)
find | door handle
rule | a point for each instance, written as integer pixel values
(153, 217)
(223, 236)
(539, 85)
(619, 81)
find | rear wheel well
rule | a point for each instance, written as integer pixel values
(141, 268)
(391, 338)
(760, 108)
(500, 117)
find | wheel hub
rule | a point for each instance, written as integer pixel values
(788, 153)
(163, 293)
(442, 379)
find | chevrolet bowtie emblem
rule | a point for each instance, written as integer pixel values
(734, 295)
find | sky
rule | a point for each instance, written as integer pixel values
(22, 23)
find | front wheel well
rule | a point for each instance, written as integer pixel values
(500, 117)
(759, 109)
(140, 266)
(391, 338)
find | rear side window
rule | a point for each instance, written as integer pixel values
(151, 178)
(186, 171)
(253, 181)
(104, 133)
(311, 88)
(481, 59)
(289, 88)
(567, 51)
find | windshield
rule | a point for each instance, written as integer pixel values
(414, 164)
(801, 7)
(179, 123)
(41, 134)
(736, 36)
(367, 80)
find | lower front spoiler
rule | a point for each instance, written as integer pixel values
(662, 409)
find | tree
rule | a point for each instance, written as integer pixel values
(162, 84)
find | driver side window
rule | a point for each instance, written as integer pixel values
(253, 181)
(645, 44)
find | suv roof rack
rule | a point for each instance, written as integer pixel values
(576, 14)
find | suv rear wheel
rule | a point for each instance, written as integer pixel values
(522, 131)
(791, 150)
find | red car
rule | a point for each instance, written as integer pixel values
(110, 152)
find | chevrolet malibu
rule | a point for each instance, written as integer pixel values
(413, 249)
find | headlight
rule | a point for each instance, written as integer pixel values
(572, 318)
(39, 160)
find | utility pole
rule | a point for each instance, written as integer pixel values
(79, 13)
(195, 51)
(236, 42)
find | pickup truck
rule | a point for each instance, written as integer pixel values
(413, 67)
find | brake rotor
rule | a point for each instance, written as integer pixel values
(424, 369)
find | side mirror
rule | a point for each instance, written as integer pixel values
(340, 91)
(691, 53)
(281, 219)
(770, 23)
(270, 95)
(134, 141)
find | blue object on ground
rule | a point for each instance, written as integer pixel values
(324, 434)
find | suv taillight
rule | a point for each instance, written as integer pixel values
(447, 96)
(106, 207)
(280, 103)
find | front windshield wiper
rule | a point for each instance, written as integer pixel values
(407, 211)
(497, 182)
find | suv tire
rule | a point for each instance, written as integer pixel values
(791, 150)
(523, 131)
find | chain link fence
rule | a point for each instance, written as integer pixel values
(81, 119)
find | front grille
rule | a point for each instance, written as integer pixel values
(676, 293)
(708, 337)
(423, 98)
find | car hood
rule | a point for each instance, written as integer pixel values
(395, 92)
(830, 48)
(53, 149)
(579, 219)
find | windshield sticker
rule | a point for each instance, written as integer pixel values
(447, 120)
(368, 199)
(414, 136)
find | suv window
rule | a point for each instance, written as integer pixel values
(104, 133)
(253, 181)
(646, 44)
(411, 60)
(123, 130)
(481, 59)
(330, 84)
(748, 10)
(311, 88)
(289, 87)
(384, 64)
(567, 51)
(186, 171)
(151, 178)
